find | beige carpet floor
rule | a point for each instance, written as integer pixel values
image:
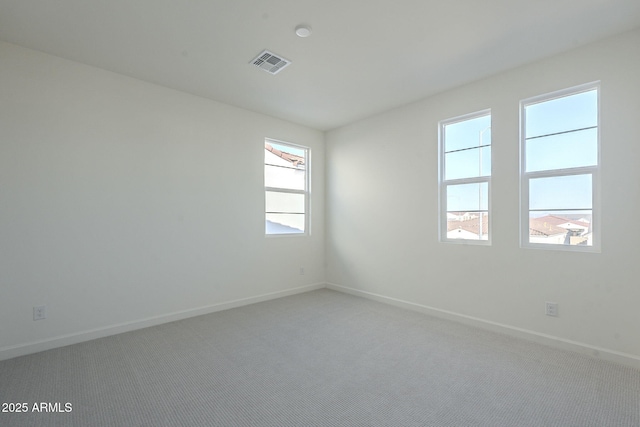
(320, 358)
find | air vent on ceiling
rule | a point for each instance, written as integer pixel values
(270, 62)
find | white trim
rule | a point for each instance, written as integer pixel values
(573, 90)
(622, 358)
(9, 352)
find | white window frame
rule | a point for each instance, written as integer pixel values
(526, 177)
(443, 183)
(306, 192)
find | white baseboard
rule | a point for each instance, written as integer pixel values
(549, 340)
(77, 337)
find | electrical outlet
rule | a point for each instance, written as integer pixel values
(551, 309)
(40, 312)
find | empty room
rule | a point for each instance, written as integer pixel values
(355, 213)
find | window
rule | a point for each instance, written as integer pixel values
(465, 178)
(286, 188)
(559, 152)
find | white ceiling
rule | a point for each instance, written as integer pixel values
(364, 56)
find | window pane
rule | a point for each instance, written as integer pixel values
(285, 213)
(562, 114)
(284, 166)
(284, 177)
(286, 182)
(467, 197)
(468, 133)
(284, 223)
(468, 225)
(468, 163)
(561, 227)
(465, 155)
(277, 202)
(286, 152)
(560, 193)
(567, 150)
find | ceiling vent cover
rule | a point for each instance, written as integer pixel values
(270, 62)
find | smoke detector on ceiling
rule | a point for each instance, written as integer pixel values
(303, 30)
(270, 62)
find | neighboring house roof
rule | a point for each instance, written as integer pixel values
(557, 220)
(542, 227)
(455, 214)
(296, 160)
(548, 225)
(471, 225)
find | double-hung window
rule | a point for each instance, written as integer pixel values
(286, 188)
(559, 164)
(465, 178)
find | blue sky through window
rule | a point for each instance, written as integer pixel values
(468, 148)
(466, 134)
(571, 112)
(561, 133)
(560, 192)
(472, 197)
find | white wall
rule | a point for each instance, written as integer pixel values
(382, 212)
(124, 203)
